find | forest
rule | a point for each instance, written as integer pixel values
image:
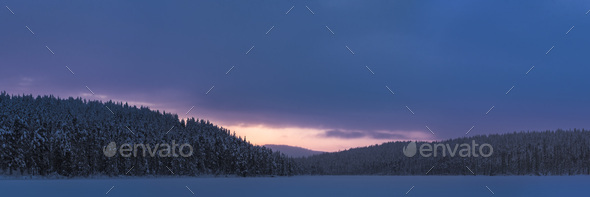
(54, 137)
(560, 152)
(49, 136)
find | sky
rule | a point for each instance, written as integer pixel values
(325, 75)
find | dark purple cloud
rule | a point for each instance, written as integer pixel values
(382, 135)
(345, 134)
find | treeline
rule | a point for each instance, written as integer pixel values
(561, 152)
(49, 136)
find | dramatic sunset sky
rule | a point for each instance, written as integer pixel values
(448, 62)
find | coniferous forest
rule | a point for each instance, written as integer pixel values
(49, 136)
(561, 152)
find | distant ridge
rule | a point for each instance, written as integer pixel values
(559, 152)
(293, 151)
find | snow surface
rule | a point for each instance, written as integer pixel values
(306, 186)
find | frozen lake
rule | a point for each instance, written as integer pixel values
(300, 186)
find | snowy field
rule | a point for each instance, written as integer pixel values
(301, 186)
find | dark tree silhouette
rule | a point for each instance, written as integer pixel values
(558, 152)
(65, 137)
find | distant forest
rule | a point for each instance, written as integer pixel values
(49, 136)
(561, 152)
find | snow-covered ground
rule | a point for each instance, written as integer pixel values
(300, 186)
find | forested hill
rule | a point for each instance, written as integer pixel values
(49, 136)
(561, 152)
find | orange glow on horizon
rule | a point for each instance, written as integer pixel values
(309, 138)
